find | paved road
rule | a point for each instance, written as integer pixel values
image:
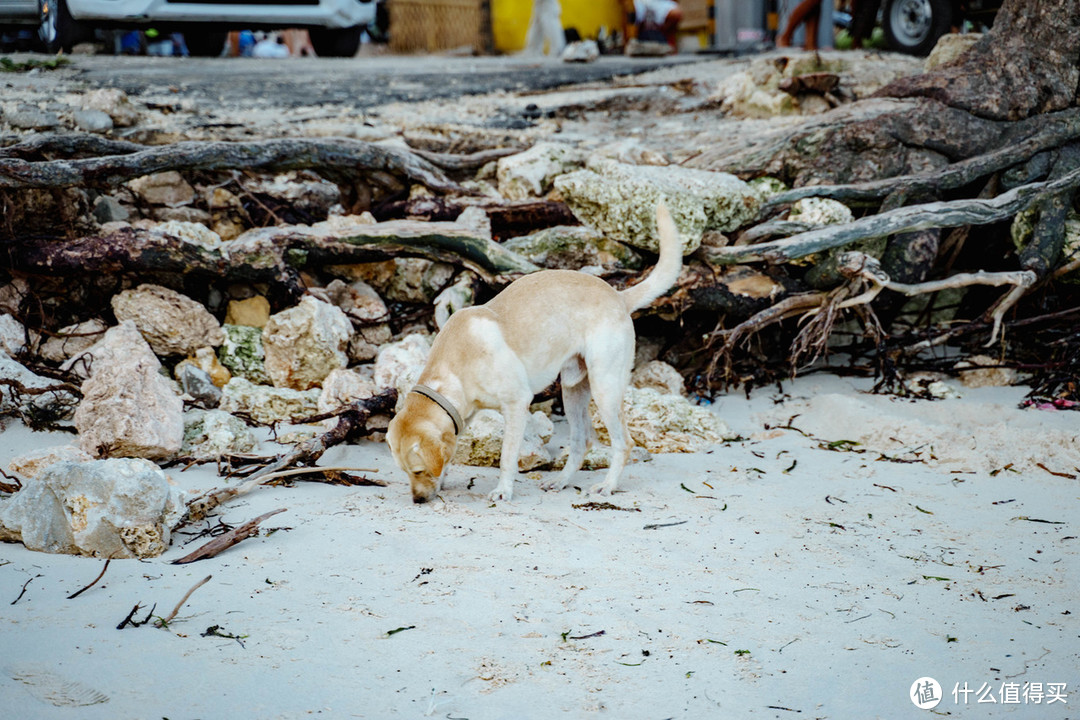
(362, 82)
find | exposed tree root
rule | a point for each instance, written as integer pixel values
(333, 156)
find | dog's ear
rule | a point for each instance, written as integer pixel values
(435, 456)
(414, 458)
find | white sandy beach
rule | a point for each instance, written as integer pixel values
(770, 577)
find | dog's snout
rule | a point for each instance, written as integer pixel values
(420, 499)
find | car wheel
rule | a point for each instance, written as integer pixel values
(336, 42)
(914, 26)
(57, 30)
(205, 43)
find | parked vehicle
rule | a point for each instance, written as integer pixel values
(915, 26)
(18, 15)
(335, 26)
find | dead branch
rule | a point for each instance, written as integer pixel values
(226, 540)
(9, 487)
(68, 145)
(94, 582)
(343, 156)
(274, 256)
(786, 308)
(18, 387)
(464, 163)
(350, 423)
(332, 475)
(905, 219)
(862, 265)
(168, 618)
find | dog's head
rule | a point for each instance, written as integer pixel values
(422, 439)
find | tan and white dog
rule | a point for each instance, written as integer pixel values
(499, 355)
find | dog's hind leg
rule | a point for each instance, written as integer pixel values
(575, 394)
(608, 392)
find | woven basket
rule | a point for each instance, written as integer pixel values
(433, 25)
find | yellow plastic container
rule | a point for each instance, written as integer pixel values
(510, 19)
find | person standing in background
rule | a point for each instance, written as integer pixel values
(545, 29)
(807, 12)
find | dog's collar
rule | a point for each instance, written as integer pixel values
(442, 402)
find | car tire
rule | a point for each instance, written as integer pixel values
(336, 42)
(915, 26)
(57, 30)
(205, 43)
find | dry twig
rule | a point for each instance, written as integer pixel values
(227, 540)
(169, 618)
(94, 582)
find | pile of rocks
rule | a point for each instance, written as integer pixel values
(172, 374)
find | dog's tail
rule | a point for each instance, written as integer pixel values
(667, 268)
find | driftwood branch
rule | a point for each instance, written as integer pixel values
(861, 265)
(169, 618)
(464, 163)
(68, 145)
(226, 540)
(93, 582)
(351, 422)
(1060, 128)
(953, 213)
(339, 155)
(274, 255)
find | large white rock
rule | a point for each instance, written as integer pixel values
(620, 201)
(820, 211)
(172, 323)
(480, 443)
(458, 296)
(304, 343)
(242, 353)
(128, 408)
(950, 47)
(167, 188)
(416, 280)
(340, 388)
(573, 247)
(72, 340)
(399, 364)
(117, 508)
(192, 233)
(302, 190)
(31, 464)
(266, 404)
(663, 423)
(530, 174)
(12, 335)
(114, 103)
(361, 303)
(209, 434)
(659, 376)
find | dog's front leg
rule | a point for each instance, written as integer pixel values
(515, 416)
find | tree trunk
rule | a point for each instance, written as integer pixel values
(1026, 65)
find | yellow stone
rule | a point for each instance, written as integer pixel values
(253, 312)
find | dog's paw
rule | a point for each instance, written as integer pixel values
(552, 485)
(504, 494)
(601, 489)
